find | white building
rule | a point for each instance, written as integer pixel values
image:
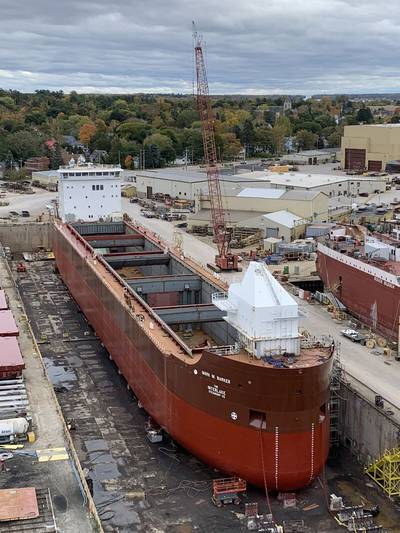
(89, 192)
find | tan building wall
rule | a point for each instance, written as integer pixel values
(283, 232)
(175, 189)
(380, 142)
(315, 209)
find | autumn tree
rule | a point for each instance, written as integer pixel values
(128, 163)
(86, 132)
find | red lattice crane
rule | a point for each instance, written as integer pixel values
(225, 260)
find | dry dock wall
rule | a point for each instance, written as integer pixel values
(367, 431)
(25, 236)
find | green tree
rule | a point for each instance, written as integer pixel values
(334, 139)
(230, 145)
(365, 115)
(306, 140)
(7, 102)
(26, 144)
(186, 118)
(134, 131)
(164, 146)
(55, 157)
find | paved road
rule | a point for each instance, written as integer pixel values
(34, 203)
(381, 376)
(374, 371)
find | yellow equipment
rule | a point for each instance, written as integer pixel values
(385, 471)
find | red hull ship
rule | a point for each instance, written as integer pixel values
(265, 419)
(363, 272)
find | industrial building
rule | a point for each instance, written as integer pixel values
(331, 184)
(192, 185)
(47, 179)
(370, 146)
(311, 157)
(247, 209)
(283, 225)
(89, 192)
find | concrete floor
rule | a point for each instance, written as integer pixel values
(24, 470)
(34, 203)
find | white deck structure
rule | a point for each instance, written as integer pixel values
(89, 192)
(263, 312)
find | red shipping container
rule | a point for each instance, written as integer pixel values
(11, 362)
(8, 327)
(3, 301)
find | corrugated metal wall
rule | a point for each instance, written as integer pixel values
(100, 228)
(355, 158)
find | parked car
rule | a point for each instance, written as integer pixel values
(25, 214)
(13, 214)
(353, 335)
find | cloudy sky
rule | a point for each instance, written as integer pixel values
(253, 46)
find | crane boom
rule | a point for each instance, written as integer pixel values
(224, 260)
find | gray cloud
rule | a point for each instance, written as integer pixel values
(253, 46)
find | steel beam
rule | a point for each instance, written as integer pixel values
(160, 284)
(187, 314)
(107, 241)
(122, 259)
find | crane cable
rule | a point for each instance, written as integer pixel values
(263, 470)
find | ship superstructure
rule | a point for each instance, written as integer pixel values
(227, 375)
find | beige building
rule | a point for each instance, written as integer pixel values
(47, 179)
(282, 225)
(370, 147)
(251, 204)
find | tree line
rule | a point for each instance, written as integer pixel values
(155, 129)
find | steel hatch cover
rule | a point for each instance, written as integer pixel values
(18, 504)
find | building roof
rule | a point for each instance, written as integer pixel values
(386, 125)
(174, 174)
(309, 153)
(303, 180)
(261, 193)
(284, 218)
(193, 176)
(51, 173)
(232, 216)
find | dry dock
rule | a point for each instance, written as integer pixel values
(139, 486)
(24, 469)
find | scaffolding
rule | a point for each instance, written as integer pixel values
(335, 399)
(385, 471)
